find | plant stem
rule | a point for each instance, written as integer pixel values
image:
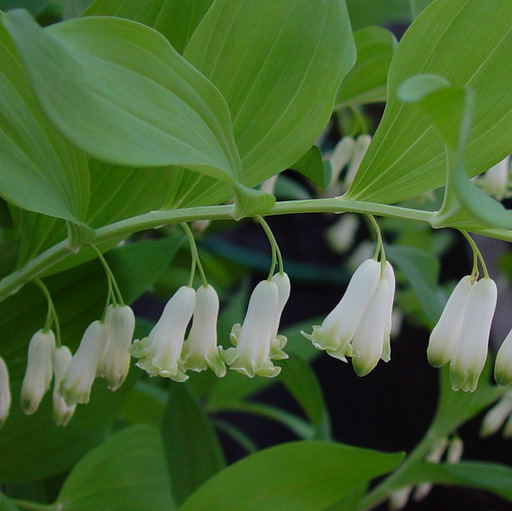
(34, 506)
(155, 219)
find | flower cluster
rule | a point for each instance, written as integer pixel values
(166, 352)
(360, 325)
(103, 351)
(461, 336)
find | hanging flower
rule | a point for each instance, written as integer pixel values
(496, 181)
(62, 412)
(445, 333)
(115, 362)
(339, 327)
(278, 342)
(470, 350)
(497, 415)
(160, 352)
(253, 340)
(503, 364)
(81, 372)
(200, 350)
(38, 374)
(5, 392)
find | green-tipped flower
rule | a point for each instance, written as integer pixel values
(470, 351)
(5, 392)
(445, 333)
(115, 362)
(160, 352)
(503, 364)
(497, 415)
(77, 382)
(62, 413)
(200, 350)
(38, 374)
(278, 342)
(253, 340)
(339, 327)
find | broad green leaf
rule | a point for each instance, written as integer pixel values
(300, 380)
(138, 101)
(6, 504)
(74, 8)
(39, 170)
(492, 477)
(146, 403)
(450, 111)
(421, 269)
(175, 19)
(406, 156)
(31, 447)
(312, 166)
(34, 6)
(298, 476)
(364, 13)
(192, 449)
(366, 82)
(126, 473)
(279, 77)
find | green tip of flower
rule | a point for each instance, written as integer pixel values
(503, 378)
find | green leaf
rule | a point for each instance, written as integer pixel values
(192, 449)
(366, 82)
(39, 170)
(298, 476)
(74, 8)
(175, 19)
(421, 269)
(6, 504)
(491, 477)
(300, 380)
(312, 166)
(406, 156)
(126, 473)
(34, 6)
(279, 77)
(139, 102)
(450, 111)
(31, 447)
(364, 13)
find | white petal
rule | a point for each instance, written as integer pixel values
(503, 364)
(5, 391)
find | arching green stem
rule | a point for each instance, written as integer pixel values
(380, 244)
(477, 256)
(277, 258)
(196, 261)
(51, 315)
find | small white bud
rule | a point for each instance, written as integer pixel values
(62, 413)
(5, 392)
(503, 364)
(470, 351)
(38, 374)
(160, 352)
(340, 157)
(360, 147)
(253, 340)
(496, 181)
(77, 382)
(115, 362)
(497, 415)
(200, 350)
(455, 450)
(398, 499)
(445, 333)
(341, 234)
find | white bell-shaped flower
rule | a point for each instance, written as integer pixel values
(38, 374)
(282, 281)
(200, 350)
(503, 364)
(253, 340)
(496, 181)
(339, 327)
(62, 412)
(160, 352)
(470, 351)
(5, 392)
(389, 276)
(82, 369)
(497, 415)
(368, 342)
(445, 333)
(115, 362)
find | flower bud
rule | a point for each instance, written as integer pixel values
(38, 374)
(62, 413)
(115, 362)
(160, 352)
(470, 351)
(5, 392)
(252, 340)
(503, 364)
(77, 382)
(200, 350)
(278, 342)
(445, 333)
(497, 415)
